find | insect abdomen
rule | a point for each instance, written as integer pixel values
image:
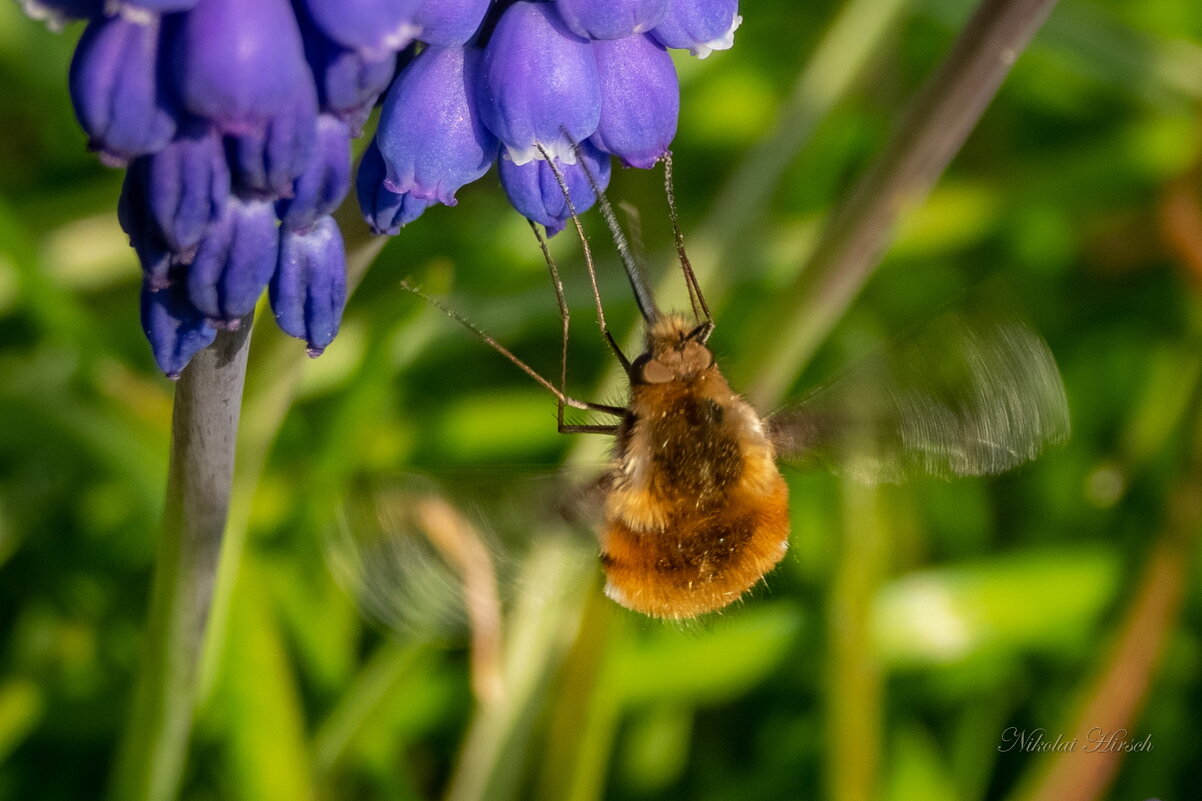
(699, 562)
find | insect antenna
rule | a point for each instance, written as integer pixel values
(696, 298)
(561, 396)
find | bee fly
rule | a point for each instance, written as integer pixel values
(695, 507)
(696, 511)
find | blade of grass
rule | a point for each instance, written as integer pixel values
(261, 718)
(537, 636)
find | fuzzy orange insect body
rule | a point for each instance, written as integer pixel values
(696, 511)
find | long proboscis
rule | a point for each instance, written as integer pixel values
(642, 293)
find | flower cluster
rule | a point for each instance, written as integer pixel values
(567, 83)
(234, 120)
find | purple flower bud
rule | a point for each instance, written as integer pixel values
(234, 262)
(699, 26)
(185, 185)
(449, 23)
(324, 183)
(534, 191)
(118, 89)
(55, 13)
(241, 63)
(133, 213)
(611, 19)
(176, 330)
(308, 290)
(265, 162)
(348, 82)
(540, 80)
(430, 134)
(384, 210)
(375, 27)
(640, 99)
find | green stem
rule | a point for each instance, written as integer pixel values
(854, 716)
(203, 432)
(930, 134)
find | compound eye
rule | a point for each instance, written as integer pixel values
(656, 372)
(696, 358)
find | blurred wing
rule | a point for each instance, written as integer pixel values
(441, 557)
(960, 400)
(381, 553)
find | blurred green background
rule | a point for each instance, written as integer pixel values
(907, 631)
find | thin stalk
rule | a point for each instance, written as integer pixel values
(854, 716)
(204, 429)
(930, 134)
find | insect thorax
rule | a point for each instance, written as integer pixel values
(683, 441)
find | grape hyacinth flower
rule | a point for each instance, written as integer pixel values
(640, 98)
(119, 88)
(234, 118)
(539, 84)
(554, 78)
(611, 19)
(385, 211)
(700, 28)
(431, 136)
(309, 285)
(534, 189)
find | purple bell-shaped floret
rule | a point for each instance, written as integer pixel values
(234, 261)
(348, 81)
(324, 183)
(308, 290)
(699, 26)
(640, 100)
(539, 84)
(177, 331)
(118, 89)
(133, 213)
(449, 23)
(241, 63)
(431, 135)
(186, 185)
(375, 27)
(534, 190)
(611, 19)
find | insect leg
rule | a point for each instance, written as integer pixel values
(564, 317)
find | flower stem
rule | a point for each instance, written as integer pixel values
(203, 432)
